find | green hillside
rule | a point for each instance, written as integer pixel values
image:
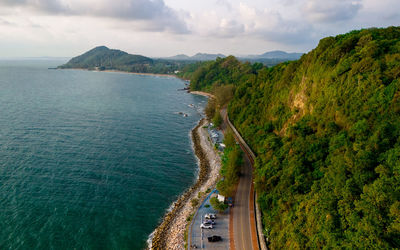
(326, 132)
(103, 58)
(107, 58)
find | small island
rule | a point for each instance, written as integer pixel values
(104, 59)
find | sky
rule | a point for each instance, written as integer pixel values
(159, 28)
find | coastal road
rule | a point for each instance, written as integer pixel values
(244, 229)
(241, 210)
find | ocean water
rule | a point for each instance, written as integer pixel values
(90, 160)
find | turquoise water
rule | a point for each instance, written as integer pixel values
(89, 160)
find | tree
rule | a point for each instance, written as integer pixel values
(217, 205)
(229, 139)
(210, 108)
(217, 120)
(223, 94)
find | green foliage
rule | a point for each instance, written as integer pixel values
(217, 119)
(222, 71)
(200, 194)
(232, 160)
(210, 108)
(188, 70)
(194, 202)
(229, 139)
(326, 133)
(103, 58)
(223, 94)
(190, 217)
(217, 205)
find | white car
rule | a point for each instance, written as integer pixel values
(210, 216)
(206, 225)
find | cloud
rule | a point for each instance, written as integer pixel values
(4, 22)
(153, 14)
(48, 6)
(332, 10)
(215, 26)
(21, 24)
(212, 25)
(224, 3)
(251, 22)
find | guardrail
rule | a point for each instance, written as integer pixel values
(260, 236)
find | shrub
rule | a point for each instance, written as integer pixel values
(217, 205)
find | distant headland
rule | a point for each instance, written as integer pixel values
(102, 58)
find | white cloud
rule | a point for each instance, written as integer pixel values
(154, 14)
(250, 22)
(332, 10)
(167, 27)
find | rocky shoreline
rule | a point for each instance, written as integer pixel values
(170, 233)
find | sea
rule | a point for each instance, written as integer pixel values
(90, 160)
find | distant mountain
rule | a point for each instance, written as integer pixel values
(104, 58)
(206, 57)
(278, 54)
(178, 57)
(275, 54)
(271, 58)
(197, 57)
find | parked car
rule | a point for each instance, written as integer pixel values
(210, 216)
(206, 226)
(214, 238)
(212, 222)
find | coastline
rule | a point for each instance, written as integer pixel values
(202, 93)
(170, 233)
(125, 72)
(136, 73)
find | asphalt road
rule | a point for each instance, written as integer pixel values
(241, 210)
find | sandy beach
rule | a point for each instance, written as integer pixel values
(202, 93)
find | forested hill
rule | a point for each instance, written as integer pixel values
(103, 58)
(326, 131)
(108, 58)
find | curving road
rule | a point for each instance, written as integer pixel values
(244, 231)
(241, 210)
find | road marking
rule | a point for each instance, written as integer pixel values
(245, 209)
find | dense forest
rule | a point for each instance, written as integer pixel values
(326, 132)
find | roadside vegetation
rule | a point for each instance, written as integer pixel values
(326, 133)
(232, 160)
(223, 94)
(218, 205)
